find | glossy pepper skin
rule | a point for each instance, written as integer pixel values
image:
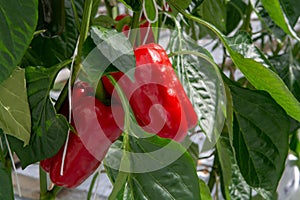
(156, 96)
(97, 130)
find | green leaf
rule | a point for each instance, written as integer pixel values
(14, 109)
(152, 173)
(254, 66)
(291, 10)
(104, 21)
(16, 32)
(182, 4)
(295, 143)
(258, 75)
(267, 22)
(233, 184)
(260, 137)
(6, 189)
(203, 83)
(134, 5)
(107, 47)
(214, 12)
(205, 193)
(150, 10)
(193, 149)
(49, 130)
(289, 70)
(235, 12)
(276, 13)
(46, 51)
(242, 43)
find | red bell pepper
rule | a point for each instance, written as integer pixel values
(97, 129)
(156, 97)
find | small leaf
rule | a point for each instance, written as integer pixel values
(182, 4)
(49, 130)
(134, 5)
(289, 70)
(16, 32)
(104, 21)
(235, 10)
(14, 109)
(205, 193)
(150, 10)
(260, 137)
(6, 189)
(153, 174)
(276, 13)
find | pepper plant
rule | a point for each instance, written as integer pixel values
(153, 86)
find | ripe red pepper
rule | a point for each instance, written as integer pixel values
(145, 30)
(97, 130)
(156, 96)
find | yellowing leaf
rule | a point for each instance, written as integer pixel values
(14, 109)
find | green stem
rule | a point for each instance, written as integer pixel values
(124, 102)
(247, 20)
(134, 28)
(125, 162)
(43, 182)
(90, 192)
(56, 189)
(75, 15)
(84, 28)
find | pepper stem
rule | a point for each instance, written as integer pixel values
(134, 28)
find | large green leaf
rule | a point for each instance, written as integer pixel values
(151, 172)
(16, 32)
(14, 109)
(203, 83)
(260, 137)
(46, 51)
(49, 130)
(256, 69)
(276, 13)
(6, 189)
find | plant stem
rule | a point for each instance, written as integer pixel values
(125, 162)
(90, 192)
(134, 28)
(43, 182)
(84, 28)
